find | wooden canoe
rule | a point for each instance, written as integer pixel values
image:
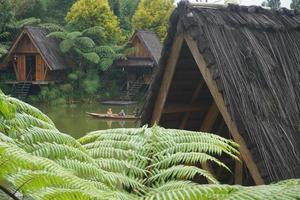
(113, 116)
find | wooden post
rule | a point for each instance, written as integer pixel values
(207, 125)
(194, 97)
(16, 71)
(46, 69)
(238, 172)
(210, 118)
(245, 153)
(167, 79)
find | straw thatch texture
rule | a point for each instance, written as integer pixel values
(254, 55)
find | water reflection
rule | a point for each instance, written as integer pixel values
(73, 120)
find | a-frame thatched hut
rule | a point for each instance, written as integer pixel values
(141, 63)
(36, 58)
(234, 71)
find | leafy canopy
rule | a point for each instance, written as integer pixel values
(119, 164)
(295, 4)
(89, 13)
(153, 15)
(272, 3)
(124, 10)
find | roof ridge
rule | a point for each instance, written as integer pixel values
(236, 7)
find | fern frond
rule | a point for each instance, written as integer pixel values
(95, 30)
(68, 194)
(23, 107)
(58, 35)
(27, 21)
(126, 145)
(85, 42)
(106, 63)
(66, 45)
(191, 158)
(191, 191)
(91, 57)
(210, 148)
(37, 135)
(59, 151)
(74, 35)
(180, 172)
(113, 134)
(53, 27)
(122, 166)
(120, 154)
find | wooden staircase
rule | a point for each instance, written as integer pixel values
(132, 91)
(21, 90)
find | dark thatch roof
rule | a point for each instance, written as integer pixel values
(254, 56)
(151, 42)
(47, 46)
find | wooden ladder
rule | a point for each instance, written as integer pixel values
(132, 91)
(21, 90)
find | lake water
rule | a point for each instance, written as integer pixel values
(73, 120)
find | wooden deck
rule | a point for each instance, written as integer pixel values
(32, 82)
(119, 102)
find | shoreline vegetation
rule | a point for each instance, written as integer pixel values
(94, 33)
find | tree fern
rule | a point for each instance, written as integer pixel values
(119, 164)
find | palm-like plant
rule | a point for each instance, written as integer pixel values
(89, 45)
(143, 163)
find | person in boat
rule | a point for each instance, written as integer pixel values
(122, 113)
(136, 112)
(109, 111)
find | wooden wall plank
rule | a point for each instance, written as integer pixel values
(245, 153)
(25, 45)
(39, 66)
(167, 79)
(21, 66)
(139, 48)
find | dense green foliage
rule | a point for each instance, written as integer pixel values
(144, 163)
(93, 48)
(232, 1)
(92, 57)
(56, 10)
(89, 13)
(10, 25)
(153, 15)
(272, 3)
(295, 4)
(124, 10)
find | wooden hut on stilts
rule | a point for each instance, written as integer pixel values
(35, 59)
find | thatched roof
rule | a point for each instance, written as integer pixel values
(254, 56)
(151, 42)
(48, 47)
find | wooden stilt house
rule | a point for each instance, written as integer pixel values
(140, 64)
(36, 58)
(234, 71)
